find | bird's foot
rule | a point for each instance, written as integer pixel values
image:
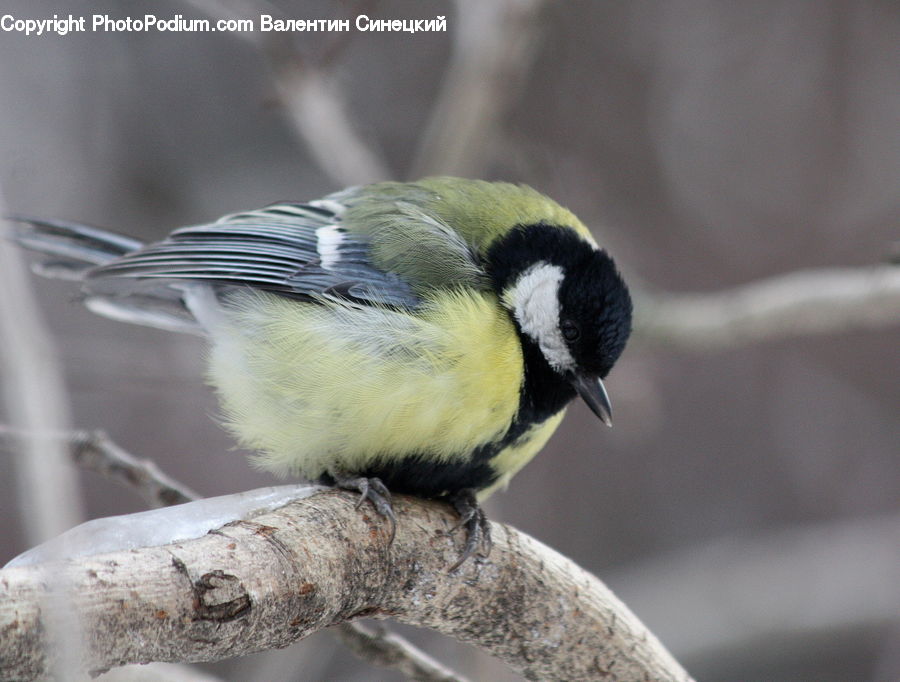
(473, 519)
(373, 490)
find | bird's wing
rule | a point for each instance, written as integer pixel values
(297, 250)
(408, 236)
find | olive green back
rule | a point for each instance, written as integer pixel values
(434, 232)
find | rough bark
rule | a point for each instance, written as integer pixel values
(266, 582)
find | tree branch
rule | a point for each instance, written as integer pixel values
(35, 397)
(494, 45)
(313, 101)
(159, 672)
(316, 107)
(95, 451)
(799, 303)
(391, 651)
(795, 584)
(316, 562)
(34, 394)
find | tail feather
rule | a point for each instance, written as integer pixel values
(75, 248)
(71, 250)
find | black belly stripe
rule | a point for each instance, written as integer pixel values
(544, 393)
(424, 475)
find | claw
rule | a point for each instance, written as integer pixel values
(376, 492)
(478, 528)
(381, 489)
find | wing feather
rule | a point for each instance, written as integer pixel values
(280, 248)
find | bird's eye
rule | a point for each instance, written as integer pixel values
(570, 330)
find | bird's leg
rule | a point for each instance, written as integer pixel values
(473, 519)
(371, 489)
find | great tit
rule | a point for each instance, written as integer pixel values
(421, 338)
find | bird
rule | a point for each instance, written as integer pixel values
(420, 337)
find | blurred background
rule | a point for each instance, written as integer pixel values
(747, 503)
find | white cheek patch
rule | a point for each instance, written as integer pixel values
(535, 303)
(328, 239)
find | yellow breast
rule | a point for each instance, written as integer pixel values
(512, 458)
(312, 386)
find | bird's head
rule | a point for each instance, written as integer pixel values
(568, 299)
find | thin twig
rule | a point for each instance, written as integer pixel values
(800, 303)
(381, 647)
(317, 108)
(312, 99)
(158, 672)
(494, 45)
(95, 451)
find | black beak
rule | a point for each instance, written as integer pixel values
(593, 392)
